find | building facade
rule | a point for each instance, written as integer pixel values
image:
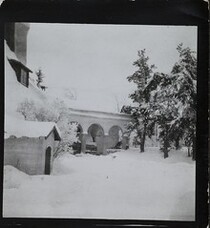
(16, 38)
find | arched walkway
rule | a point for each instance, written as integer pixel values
(96, 141)
(101, 129)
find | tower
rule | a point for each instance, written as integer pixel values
(16, 37)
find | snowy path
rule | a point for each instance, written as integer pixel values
(126, 184)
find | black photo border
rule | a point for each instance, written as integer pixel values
(144, 12)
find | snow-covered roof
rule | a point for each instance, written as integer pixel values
(33, 129)
(100, 114)
(9, 54)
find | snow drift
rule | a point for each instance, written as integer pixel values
(13, 178)
(121, 185)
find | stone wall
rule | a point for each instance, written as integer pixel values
(28, 154)
(24, 153)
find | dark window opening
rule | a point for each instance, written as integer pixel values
(21, 71)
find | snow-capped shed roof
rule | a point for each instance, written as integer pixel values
(33, 129)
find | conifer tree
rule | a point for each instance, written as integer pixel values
(168, 100)
(174, 97)
(40, 76)
(141, 112)
(184, 75)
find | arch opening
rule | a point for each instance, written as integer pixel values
(95, 140)
(47, 161)
(115, 137)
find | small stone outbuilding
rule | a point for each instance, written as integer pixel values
(29, 146)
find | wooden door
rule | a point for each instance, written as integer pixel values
(47, 161)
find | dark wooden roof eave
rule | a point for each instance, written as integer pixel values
(21, 64)
(57, 136)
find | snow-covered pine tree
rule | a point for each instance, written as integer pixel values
(161, 106)
(184, 76)
(174, 99)
(165, 110)
(141, 112)
(40, 76)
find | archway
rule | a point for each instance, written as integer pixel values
(115, 137)
(47, 161)
(95, 140)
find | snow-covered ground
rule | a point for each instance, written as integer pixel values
(121, 185)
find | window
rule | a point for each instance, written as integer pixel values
(22, 72)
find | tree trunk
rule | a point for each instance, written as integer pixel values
(25, 116)
(165, 153)
(141, 147)
(58, 150)
(188, 151)
(166, 147)
(142, 144)
(194, 148)
(177, 146)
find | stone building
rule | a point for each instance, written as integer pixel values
(16, 38)
(30, 146)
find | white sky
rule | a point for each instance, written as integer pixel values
(88, 56)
